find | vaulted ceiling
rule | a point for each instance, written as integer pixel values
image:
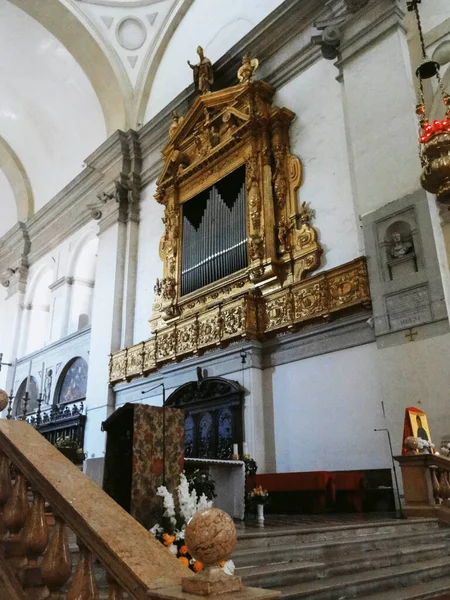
(74, 71)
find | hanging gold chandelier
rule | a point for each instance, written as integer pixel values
(434, 137)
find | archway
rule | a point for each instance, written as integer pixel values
(213, 416)
(72, 384)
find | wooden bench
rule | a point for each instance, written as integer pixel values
(309, 492)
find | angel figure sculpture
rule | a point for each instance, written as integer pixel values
(203, 73)
(247, 69)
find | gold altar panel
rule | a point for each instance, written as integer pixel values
(278, 310)
(310, 299)
(349, 286)
(209, 328)
(149, 362)
(166, 344)
(135, 361)
(328, 294)
(118, 366)
(187, 336)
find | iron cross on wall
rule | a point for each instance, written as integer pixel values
(411, 335)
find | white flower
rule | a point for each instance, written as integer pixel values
(204, 503)
(174, 549)
(179, 535)
(228, 567)
(156, 530)
(169, 503)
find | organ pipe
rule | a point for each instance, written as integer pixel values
(214, 239)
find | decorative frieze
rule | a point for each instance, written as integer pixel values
(249, 317)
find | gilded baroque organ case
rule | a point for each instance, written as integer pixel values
(238, 246)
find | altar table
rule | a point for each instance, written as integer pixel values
(229, 477)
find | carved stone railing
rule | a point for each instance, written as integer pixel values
(426, 485)
(35, 561)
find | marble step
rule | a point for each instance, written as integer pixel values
(276, 576)
(329, 549)
(302, 534)
(379, 580)
(438, 589)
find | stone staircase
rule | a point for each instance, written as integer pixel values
(392, 559)
(380, 560)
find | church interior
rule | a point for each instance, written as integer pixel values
(224, 308)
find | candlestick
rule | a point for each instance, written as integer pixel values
(27, 389)
(42, 375)
(13, 377)
(245, 450)
(235, 452)
(25, 406)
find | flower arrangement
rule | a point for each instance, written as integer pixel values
(259, 496)
(66, 442)
(175, 520)
(445, 450)
(71, 449)
(418, 445)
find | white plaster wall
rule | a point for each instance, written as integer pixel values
(55, 357)
(379, 104)
(150, 266)
(318, 139)
(417, 374)
(326, 409)
(59, 263)
(8, 208)
(218, 25)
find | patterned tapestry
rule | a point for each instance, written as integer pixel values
(146, 506)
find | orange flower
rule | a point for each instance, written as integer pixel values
(168, 539)
(183, 560)
(222, 564)
(183, 550)
(197, 566)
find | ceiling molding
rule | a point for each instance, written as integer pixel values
(122, 3)
(18, 179)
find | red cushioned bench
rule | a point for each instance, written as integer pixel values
(312, 491)
(350, 489)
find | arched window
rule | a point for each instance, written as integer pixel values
(32, 398)
(83, 287)
(73, 382)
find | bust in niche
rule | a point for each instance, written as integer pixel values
(399, 247)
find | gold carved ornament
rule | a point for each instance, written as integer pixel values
(223, 131)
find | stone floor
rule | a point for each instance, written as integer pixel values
(274, 522)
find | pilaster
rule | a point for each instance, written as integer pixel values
(379, 105)
(116, 208)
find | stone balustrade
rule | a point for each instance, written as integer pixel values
(426, 485)
(35, 561)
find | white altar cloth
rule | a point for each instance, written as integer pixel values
(229, 477)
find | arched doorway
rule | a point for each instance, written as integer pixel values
(213, 416)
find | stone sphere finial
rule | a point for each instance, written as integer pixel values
(211, 536)
(3, 400)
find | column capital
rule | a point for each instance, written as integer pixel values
(118, 200)
(366, 25)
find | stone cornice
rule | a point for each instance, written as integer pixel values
(50, 347)
(60, 283)
(367, 26)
